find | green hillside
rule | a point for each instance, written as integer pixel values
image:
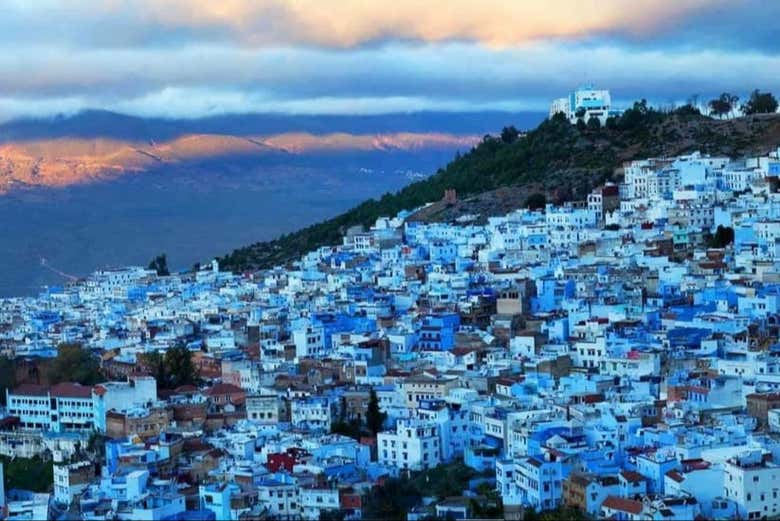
(563, 160)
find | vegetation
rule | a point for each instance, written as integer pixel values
(555, 155)
(760, 103)
(34, 474)
(160, 265)
(374, 417)
(509, 135)
(352, 428)
(724, 236)
(724, 105)
(7, 376)
(536, 201)
(689, 109)
(594, 123)
(73, 363)
(398, 496)
(173, 369)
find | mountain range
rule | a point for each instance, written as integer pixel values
(98, 145)
(66, 161)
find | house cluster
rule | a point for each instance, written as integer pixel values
(619, 355)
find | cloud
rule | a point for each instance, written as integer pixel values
(211, 79)
(351, 23)
(199, 57)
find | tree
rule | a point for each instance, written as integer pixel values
(179, 368)
(173, 369)
(723, 237)
(332, 515)
(687, 110)
(375, 418)
(160, 265)
(509, 134)
(7, 376)
(637, 115)
(733, 99)
(536, 201)
(760, 103)
(73, 363)
(723, 105)
(594, 123)
(581, 124)
(34, 473)
(559, 119)
(155, 362)
(717, 107)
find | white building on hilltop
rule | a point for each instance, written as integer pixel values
(584, 103)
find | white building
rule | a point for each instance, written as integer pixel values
(414, 445)
(137, 392)
(64, 407)
(752, 482)
(70, 479)
(585, 103)
(314, 501)
(279, 497)
(309, 341)
(312, 413)
(262, 409)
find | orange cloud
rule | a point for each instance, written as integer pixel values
(349, 23)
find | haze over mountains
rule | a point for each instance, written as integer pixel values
(102, 145)
(98, 189)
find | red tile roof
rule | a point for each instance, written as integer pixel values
(223, 389)
(622, 504)
(631, 476)
(676, 476)
(31, 390)
(71, 390)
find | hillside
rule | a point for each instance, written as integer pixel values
(561, 159)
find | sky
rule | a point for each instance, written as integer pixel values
(191, 58)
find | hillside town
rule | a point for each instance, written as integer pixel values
(619, 356)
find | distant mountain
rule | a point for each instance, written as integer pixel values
(99, 145)
(110, 125)
(556, 158)
(67, 161)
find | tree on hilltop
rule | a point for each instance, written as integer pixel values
(594, 123)
(723, 105)
(760, 103)
(509, 134)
